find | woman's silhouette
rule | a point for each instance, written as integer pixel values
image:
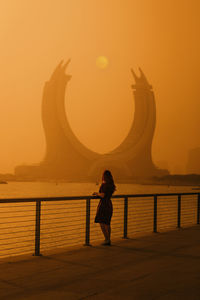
(105, 208)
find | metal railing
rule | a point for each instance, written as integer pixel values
(54, 220)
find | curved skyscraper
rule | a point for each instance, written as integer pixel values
(67, 158)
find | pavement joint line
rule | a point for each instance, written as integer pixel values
(10, 283)
(90, 295)
(161, 254)
(119, 285)
(70, 262)
(33, 274)
(88, 276)
(77, 279)
(169, 292)
(166, 253)
(147, 254)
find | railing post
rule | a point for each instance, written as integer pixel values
(179, 212)
(198, 209)
(155, 215)
(37, 228)
(125, 217)
(87, 223)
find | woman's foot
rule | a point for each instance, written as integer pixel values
(106, 243)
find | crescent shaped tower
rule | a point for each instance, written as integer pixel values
(67, 158)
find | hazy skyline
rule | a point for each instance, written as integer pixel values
(161, 38)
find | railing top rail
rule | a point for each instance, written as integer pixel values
(71, 198)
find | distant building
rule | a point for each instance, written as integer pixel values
(162, 164)
(178, 169)
(67, 158)
(193, 163)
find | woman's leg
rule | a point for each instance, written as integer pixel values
(103, 229)
(108, 231)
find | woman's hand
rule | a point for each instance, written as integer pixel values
(101, 195)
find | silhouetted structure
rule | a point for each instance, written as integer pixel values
(193, 163)
(67, 158)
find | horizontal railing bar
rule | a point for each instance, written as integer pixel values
(145, 224)
(62, 208)
(15, 227)
(138, 217)
(62, 203)
(15, 237)
(47, 230)
(50, 235)
(163, 227)
(141, 228)
(164, 204)
(62, 218)
(69, 242)
(164, 217)
(142, 224)
(143, 231)
(17, 222)
(14, 211)
(18, 216)
(22, 247)
(60, 245)
(15, 232)
(166, 207)
(17, 206)
(184, 222)
(167, 222)
(54, 235)
(77, 226)
(47, 223)
(18, 200)
(118, 221)
(11, 254)
(64, 215)
(17, 242)
(60, 241)
(66, 212)
(141, 212)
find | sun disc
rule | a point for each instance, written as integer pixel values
(102, 62)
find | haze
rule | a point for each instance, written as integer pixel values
(161, 37)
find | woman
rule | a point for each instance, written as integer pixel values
(105, 209)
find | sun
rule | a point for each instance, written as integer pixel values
(102, 62)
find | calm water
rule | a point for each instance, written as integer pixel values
(50, 189)
(63, 222)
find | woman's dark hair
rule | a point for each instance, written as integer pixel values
(107, 177)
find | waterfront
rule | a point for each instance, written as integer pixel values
(55, 188)
(63, 222)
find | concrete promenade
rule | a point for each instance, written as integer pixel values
(159, 266)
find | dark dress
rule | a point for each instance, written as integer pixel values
(105, 208)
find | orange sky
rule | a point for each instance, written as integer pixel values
(162, 37)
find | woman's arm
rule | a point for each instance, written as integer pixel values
(99, 194)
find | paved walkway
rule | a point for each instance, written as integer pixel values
(160, 266)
